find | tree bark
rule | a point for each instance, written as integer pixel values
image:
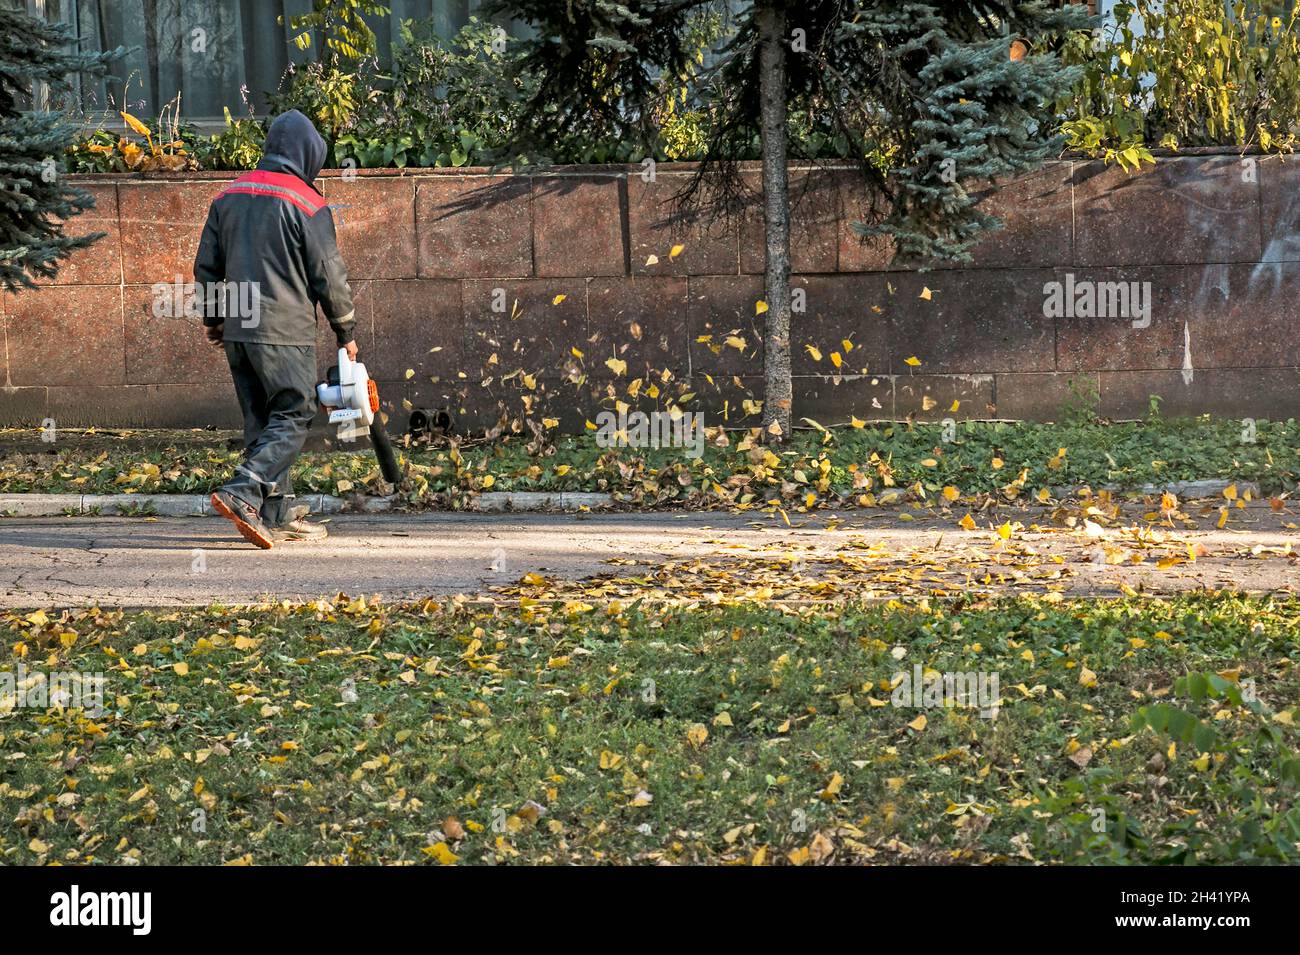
(778, 392)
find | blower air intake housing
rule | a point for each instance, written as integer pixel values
(349, 394)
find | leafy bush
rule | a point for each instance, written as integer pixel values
(446, 104)
(239, 146)
(1185, 73)
(330, 96)
(457, 103)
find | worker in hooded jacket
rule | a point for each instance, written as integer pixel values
(268, 257)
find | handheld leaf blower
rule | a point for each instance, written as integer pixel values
(352, 400)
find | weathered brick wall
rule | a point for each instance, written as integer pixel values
(1217, 237)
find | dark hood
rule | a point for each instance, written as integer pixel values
(293, 146)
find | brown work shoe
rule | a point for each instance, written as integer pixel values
(245, 518)
(299, 530)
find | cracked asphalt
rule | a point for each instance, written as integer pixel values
(135, 562)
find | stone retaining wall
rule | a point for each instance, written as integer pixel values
(581, 259)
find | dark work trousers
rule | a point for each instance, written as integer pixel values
(276, 386)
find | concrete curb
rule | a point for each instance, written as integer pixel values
(1212, 487)
(540, 500)
(198, 505)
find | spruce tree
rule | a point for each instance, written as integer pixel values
(35, 196)
(925, 98)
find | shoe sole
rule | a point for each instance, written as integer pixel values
(246, 530)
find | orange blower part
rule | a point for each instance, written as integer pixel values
(374, 395)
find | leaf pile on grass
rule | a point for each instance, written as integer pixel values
(866, 467)
(348, 731)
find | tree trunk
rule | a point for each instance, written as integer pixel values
(778, 392)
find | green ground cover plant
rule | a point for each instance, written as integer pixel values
(349, 731)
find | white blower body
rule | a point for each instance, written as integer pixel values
(353, 397)
(352, 400)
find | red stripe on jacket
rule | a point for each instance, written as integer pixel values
(295, 190)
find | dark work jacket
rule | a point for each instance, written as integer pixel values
(271, 234)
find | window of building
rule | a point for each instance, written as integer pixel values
(215, 53)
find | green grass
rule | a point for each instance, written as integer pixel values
(836, 467)
(536, 735)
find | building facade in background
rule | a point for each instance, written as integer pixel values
(216, 53)
(222, 54)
